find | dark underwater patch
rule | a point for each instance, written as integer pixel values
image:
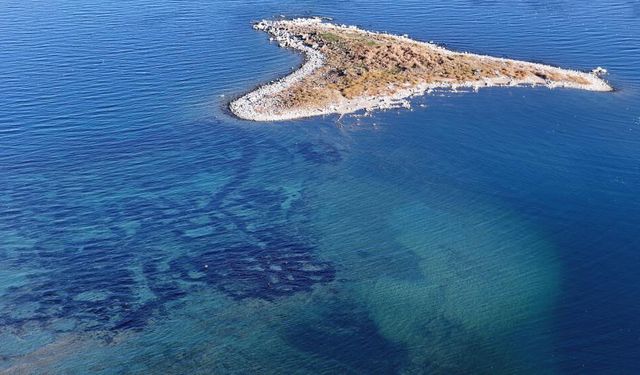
(349, 337)
(319, 152)
(114, 261)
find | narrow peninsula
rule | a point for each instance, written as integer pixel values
(347, 69)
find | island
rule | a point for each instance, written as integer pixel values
(348, 69)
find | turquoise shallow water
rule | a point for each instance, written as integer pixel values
(144, 230)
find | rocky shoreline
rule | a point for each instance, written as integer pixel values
(275, 102)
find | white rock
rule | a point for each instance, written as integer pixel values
(599, 71)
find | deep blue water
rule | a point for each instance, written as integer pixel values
(144, 230)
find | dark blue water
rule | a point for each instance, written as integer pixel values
(144, 230)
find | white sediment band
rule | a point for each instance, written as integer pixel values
(259, 105)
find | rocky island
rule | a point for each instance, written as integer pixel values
(347, 69)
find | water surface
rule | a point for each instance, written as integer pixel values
(144, 230)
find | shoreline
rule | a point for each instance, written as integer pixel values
(264, 97)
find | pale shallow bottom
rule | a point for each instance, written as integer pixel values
(477, 230)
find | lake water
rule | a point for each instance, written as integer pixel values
(144, 230)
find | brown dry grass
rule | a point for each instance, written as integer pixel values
(359, 64)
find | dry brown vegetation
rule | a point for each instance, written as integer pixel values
(361, 64)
